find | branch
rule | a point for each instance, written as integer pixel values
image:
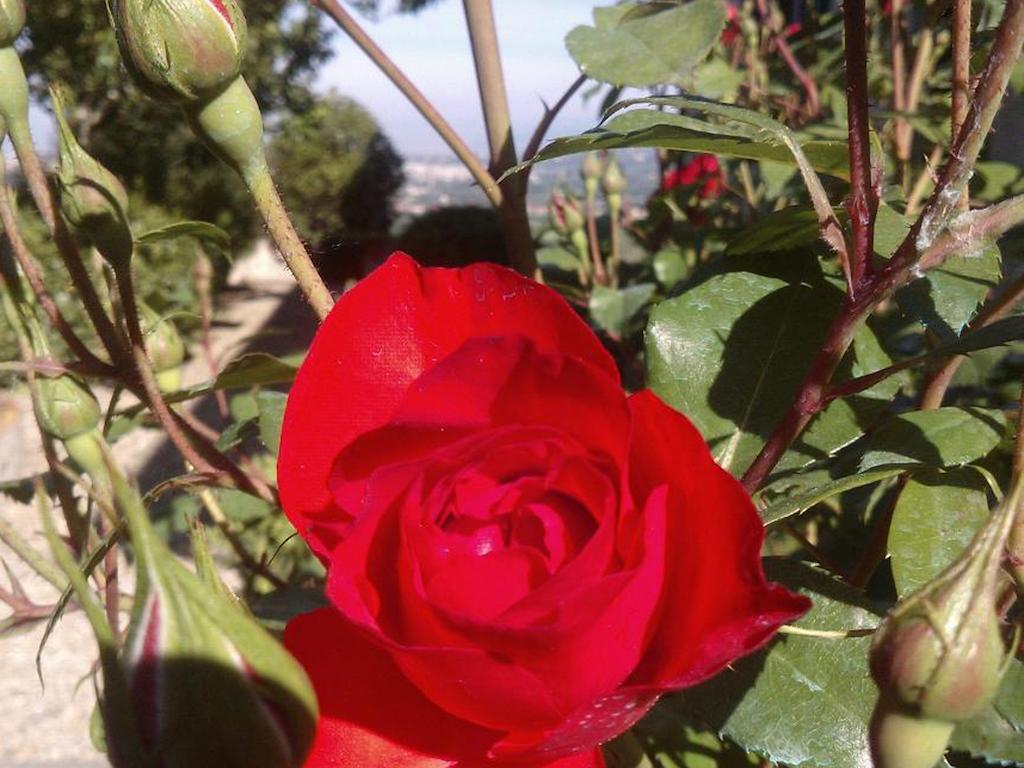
(961, 74)
(515, 223)
(863, 203)
(809, 398)
(352, 28)
(550, 113)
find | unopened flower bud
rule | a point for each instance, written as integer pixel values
(939, 656)
(92, 199)
(65, 407)
(180, 50)
(556, 213)
(12, 20)
(208, 685)
(614, 181)
(164, 347)
(590, 170)
(572, 214)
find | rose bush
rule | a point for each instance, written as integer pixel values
(520, 558)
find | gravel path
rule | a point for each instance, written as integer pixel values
(46, 726)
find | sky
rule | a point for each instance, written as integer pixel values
(432, 48)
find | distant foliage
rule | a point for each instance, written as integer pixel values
(336, 171)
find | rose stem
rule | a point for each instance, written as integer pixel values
(515, 223)
(863, 202)
(462, 151)
(897, 272)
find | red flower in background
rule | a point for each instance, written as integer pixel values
(520, 558)
(703, 169)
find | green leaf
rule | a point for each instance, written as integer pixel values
(946, 299)
(654, 128)
(944, 437)
(731, 352)
(803, 701)
(805, 499)
(784, 230)
(647, 44)
(271, 409)
(935, 518)
(997, 180)
(250, 370)
(670, 265)
(201, 230)
(276, 609)
(614, 309)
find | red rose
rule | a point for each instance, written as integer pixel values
(520, 558)
(701, 169)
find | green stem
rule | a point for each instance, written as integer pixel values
(15, 113)
(448, 134)
(257, 177)
(31, 557)
(515, 222)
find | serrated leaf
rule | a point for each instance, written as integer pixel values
(943, 437)
(614, 309)
(731, 352)
(803, 500)
(948, 296)
(201, 230)
(784, 230)
(803, 701)
(643, 45)
(935, 518)
(654, 128)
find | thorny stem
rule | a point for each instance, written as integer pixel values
(600, 276)
(961, 74)
(899, 93)
(550, 113)
(863, 202)
(515, 223)
(854, 311)
(358, 35)
(203, 455)
(35, 280)
(257, 177)
(38, 185)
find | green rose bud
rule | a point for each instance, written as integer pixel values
(590, 170)
(939, 656)
(180, 50)
(614, 181)
(164, 347)
(92, 199)
(12, 20)
(65, 407)
(208, 685)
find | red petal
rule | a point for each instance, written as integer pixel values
(381, 336)
(716, 605)
(370, 715)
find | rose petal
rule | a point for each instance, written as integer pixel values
(380, 337)
(716, 605)
(370, 715)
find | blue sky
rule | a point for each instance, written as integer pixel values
(432, 47)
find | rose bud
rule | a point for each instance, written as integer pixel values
(164, 347)
(939, 657)
(12, 20)
(66, 410)
(590, 170)
(92, 199)
(208, 685)
(180, 50)
(556, 213)
(614, 184)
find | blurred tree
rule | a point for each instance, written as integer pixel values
(336, 171)
(147, 144)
